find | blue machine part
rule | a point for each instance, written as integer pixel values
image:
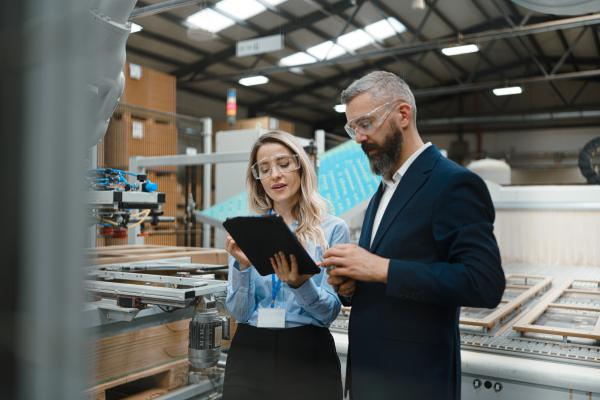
(344, 179)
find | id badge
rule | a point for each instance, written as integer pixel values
(271, 318)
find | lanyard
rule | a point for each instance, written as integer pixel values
(275, 286)
(275, 289)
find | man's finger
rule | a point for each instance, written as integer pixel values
(336, 250)
(348, 284)
(337, 261)
(336, 280)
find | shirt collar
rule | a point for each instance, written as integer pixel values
(389, 179)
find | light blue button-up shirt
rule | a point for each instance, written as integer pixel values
(315, 302)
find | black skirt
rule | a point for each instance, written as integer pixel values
(274, 364)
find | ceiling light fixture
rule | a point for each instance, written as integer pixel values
(297, 59)
(508, 90)
(326, 49)
(385, 28)
(341, 108)
(135, 28)
(254, 80)
(209, 20)
(456, 50)
(418, 4)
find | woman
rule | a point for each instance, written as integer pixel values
(300, 360)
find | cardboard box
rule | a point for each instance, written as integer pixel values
(154, 90)
(268, 123)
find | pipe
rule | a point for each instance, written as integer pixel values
(428, 45)
(207, 134)
(160, 8)
(510, 118)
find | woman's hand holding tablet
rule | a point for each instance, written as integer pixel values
(232, 248)
(285, 273)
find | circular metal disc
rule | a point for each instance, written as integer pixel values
(561, 7)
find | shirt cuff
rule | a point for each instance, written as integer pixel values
(240, 279)
(307, 293)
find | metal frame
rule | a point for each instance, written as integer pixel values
(511, 305)
(139, 164)
(527, 323)
(433, 44)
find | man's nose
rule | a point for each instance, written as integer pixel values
(360, 138)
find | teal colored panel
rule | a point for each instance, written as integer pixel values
(344, 179)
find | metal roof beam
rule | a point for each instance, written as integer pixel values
(300, 23)
(435, 44)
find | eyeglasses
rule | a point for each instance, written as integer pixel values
(283, 162)
(365, 124)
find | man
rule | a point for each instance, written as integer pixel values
(426, 249)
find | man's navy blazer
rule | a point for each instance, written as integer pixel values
(437, 232)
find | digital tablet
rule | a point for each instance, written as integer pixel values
(261, 236)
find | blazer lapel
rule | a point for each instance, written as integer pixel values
(411, 182)
(366, 232)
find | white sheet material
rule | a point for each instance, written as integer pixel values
(549, 237)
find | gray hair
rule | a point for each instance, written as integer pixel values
(384, 87)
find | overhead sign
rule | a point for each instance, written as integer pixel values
(261, 45)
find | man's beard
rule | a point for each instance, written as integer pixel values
(386, 155)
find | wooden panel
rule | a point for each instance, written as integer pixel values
(125, 253)
(121, 354)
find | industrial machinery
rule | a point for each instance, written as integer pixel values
(121, 298)
(127, 297)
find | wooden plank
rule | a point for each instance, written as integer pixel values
(571, 307)
(596, 330)
(597, 292)
(125, 254)
(168, 377)
(559, 331)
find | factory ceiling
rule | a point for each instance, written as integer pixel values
(555, 59)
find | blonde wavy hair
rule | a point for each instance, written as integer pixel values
(311, 209)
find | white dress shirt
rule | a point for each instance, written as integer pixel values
(389, 188)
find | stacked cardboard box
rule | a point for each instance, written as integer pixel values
(267, 123)
(154, 90)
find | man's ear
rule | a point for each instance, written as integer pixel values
(404, 115)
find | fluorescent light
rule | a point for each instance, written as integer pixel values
(254, 80)
(340, 108)
(385, 28)
(452, 51)
(242, 9)
(418, 4)
(508, 90)
(135, 28)
(210, 20)
(297, 59)
(355, 40)
(324, 49)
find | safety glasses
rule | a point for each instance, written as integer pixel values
(367, 123)
(283, 162)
